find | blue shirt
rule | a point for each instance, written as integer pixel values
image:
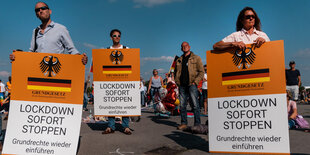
(56, 39)
(292, 77)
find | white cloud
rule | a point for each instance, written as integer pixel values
(162, 59)
(4, 74)
(305, 53)
(161, 70)
(88, 45)
(151, 3)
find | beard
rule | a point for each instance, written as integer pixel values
(44, 18)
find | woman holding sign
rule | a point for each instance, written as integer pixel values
(248, 28)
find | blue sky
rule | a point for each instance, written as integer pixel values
(158, 27)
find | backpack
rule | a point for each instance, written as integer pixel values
(301, 122)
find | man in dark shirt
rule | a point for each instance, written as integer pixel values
(188, 73)
(293, 81)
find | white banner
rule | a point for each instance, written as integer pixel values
(256, 123)
(42, 128)
(120, 98)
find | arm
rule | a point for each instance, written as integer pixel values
(69, 46)
(161, 81)
(259, 42)
(299, 81)
(67, 42)
(204, 78)
(294, 114)
(221, 45)
(32, 42)
(200, 71)
(150, 83)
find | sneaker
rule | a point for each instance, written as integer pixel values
(182, 127)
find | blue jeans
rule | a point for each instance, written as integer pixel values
(85, 101)
(190, 92)
(125, 122)
(153, 92)
(142, 98)
(291, 123)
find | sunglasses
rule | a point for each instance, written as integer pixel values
(114, 36)
(41, 8)
(249, 16)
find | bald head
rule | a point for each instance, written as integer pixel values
(185, 47)
(43, 12)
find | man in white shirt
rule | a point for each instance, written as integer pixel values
(115, 35)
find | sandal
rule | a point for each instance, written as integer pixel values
(108, 131)
(127, 131)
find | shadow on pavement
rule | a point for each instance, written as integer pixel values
(306, 116)
(189, 141)
(98, 126)
(163, 120)
(103, 126)
(165, 151)
(79, 144)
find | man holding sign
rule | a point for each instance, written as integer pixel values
(47, 99)
(115, 35)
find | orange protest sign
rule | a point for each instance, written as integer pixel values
(252, 72)
(247, 100)
(48, 77)
(116, 82)
(116, 64)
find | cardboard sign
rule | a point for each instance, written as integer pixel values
(247, 100)
(46, 104)
(116, 82)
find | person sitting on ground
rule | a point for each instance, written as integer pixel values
(115, 35)
(291, 110)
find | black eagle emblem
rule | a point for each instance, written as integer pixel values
(116, 57)
(50, 65)
(244, 59)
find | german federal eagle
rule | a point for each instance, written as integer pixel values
(50, 65)
(244, 59)
(116, 57)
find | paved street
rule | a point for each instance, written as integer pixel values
(153, 135)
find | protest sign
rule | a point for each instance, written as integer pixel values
(247, 100)
(116, 75)
(46, 104)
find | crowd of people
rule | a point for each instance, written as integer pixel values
(186, 85)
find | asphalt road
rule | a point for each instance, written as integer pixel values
(155, 135)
